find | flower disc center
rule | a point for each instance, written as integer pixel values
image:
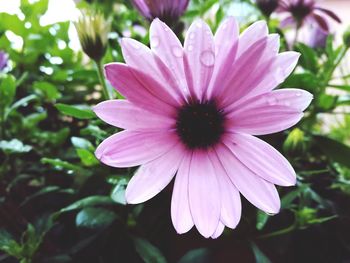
(200, 124)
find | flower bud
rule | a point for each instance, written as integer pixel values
(295, 142)
(3, 60)
(93, 29)
(267, 7)
(346, 37)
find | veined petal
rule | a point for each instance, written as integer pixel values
(123, 114)
(146, 93)
(219, 230)
(132, 148)
(199, 58)
(166, 45)
(140, 57)
(204, 194)
(262, 159)
(253, 33)
(231, 206)
(152, 177)
(226, 44)
(180, 204)
(256, 190)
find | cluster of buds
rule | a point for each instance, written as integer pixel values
(93, 29)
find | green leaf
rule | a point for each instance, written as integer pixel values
(7, 91)
(22, 102)
(199, 255)
(335, 150)
(96, 200)
(148, 252)
(14, 146)
(46, 90)
(305, 80)
(87, 157)
(82, 143)
(308, 57)
(92, 217)
(261, 220)
(76, 111)
(59, 164)
(12, 23)
(259, 255)
(288, 199)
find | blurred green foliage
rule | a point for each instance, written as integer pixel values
(59, 204)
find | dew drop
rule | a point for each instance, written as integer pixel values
(135, 45)
(190, 48)
(298, 94)
(155, 41)
(177, 51)
(192, 35)
(199, 24)
(207, 58)
(287, 103)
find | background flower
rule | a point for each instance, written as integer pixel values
(3, 60)
(168, 11)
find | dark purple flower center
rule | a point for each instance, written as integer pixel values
(200, 124)
(300, 10)
(267, 6)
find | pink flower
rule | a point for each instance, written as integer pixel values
(193, 112)
(167, 10)
(301, 12)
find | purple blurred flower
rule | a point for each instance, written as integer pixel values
(317, 38)
(168, 11)
(267, 7)
(3, 60)
(306, 12)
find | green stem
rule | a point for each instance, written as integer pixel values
(331, 71)
(279, 232)
(102, 80)
(296, 35)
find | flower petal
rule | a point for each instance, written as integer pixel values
(251, 35)
(153, 177)
(131, 148)
(146, 93)
(140, 57)
(226, 43)
(231, 206)
(256, 190)
(166, 45)
(219, 230)
(180, 204)
(204, 194)
(123, 114)
(199, 58)
(262, 159)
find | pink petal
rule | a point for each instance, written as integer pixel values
(153, 177)
(257, 191)
(251, 35)
(123, 114)
(231, 207)
(180, 205)
(166, 45)
(226, 48)
(146, 94)
(219, 230)
(264, 115)
(131, 148)
(288, 22)
(262, 159)
(199, 58)
(140, 57)
(204, 194)
(295, 99)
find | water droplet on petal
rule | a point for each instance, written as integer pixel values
(298, 94)
(177, 51)
(287, 103)
(192, 35)
(207, 58)
(199, 24)
(155, 41)
(190, 48)
(135, 44)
